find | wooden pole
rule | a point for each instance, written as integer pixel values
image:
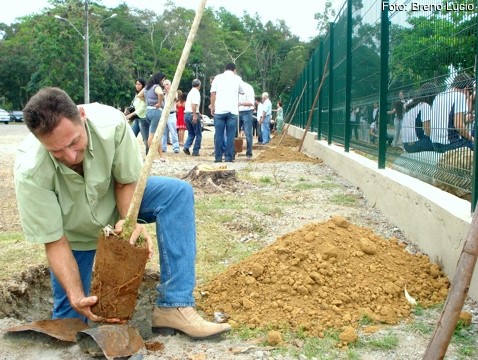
(292, 116)
(309, 120)
(450, 315)
(132, 216)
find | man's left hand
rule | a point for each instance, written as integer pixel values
(139, 230)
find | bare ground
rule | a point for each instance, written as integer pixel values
(305, 302)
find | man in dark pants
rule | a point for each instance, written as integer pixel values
(246, 107)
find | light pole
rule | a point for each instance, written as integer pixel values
(86, 38)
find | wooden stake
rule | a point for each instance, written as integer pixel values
(132, 216)
(315, 102)
(456, 296)
(286, 127)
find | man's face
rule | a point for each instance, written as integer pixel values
(67, 143)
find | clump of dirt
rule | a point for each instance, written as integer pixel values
(26, 295)
(285, 154)
(287, 140)
(326, 275)
(117, 286)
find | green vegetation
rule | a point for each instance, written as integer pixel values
(386, 342)
(344, 200)
(18, 254)
(41, 50)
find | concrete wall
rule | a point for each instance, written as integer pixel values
(434, 220)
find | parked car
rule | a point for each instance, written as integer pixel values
(16, 116)
(207, 120)
(4, 117)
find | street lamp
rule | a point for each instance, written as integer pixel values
(86, 38)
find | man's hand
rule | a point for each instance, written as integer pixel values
(139, 230)
(83, 306)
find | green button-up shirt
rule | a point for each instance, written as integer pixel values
(53, 200)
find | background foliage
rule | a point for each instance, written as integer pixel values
(41, 50)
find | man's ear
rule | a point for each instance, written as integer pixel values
(82, 113)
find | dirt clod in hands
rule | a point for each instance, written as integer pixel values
(327, 275)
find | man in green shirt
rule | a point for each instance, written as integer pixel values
(75, 174)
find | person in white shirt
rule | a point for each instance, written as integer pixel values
(191, 117)
(246, 106)
(225, 90)
(416, 121)
(265, 120)
(448, 123)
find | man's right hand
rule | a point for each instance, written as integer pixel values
(83, 306)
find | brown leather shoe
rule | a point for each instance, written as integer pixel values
(168, 321)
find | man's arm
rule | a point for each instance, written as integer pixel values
(461, 126)
(213, 102)
(65, 268)
(124, 196)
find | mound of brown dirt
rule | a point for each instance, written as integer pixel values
(284, 154)
(327, 275)
(288, 140)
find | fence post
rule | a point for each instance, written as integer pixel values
(331, 81)
(348, 76)
(320, 105)
(474, 190)
(384, 48)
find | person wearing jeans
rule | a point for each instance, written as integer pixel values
(170, 128)
(246, 107)
(78, 168)
(266, 118)
(192, 119)
(225, 126)
(225, 89)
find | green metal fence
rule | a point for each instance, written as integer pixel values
(384, 65)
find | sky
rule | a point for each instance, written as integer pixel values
(298, 15)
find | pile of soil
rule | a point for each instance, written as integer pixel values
(326, 275)
(285, 154)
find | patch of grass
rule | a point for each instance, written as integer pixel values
(344, 200)
(421, 327)
(385, 342)
(465, 341)
(15, 251)
(366, 320)
(247, 333)
(314, 347)
(307, 186)
(266, 180)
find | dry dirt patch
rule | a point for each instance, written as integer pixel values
(325, 275)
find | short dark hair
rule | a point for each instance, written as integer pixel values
(231, 66)
(46, 108)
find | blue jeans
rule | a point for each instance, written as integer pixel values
(424, 144)
(194, 133)
(171, 129)
(459, 143)
(225, 126)
(61, 305)
(266, 130)
(153, 116)
(144, 125)
(169, 203)
(246, 120)
(135, 127)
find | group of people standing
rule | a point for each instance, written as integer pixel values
(431, 120)
(232, 105)
(439, 121)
